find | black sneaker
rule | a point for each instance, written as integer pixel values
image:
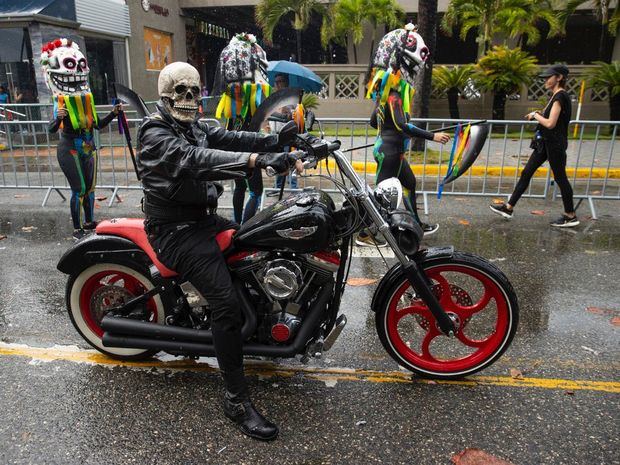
(501, 210)
(429, 228)
(79, 234)
(366, 240)
(565, 222)
(90, 225)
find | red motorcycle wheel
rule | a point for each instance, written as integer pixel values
(94, 290)
(476, 295)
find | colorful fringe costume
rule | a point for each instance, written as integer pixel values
(238, 104)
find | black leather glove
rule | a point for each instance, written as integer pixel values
(279, 162)
(287, 134)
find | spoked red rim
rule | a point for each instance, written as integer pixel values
(116, 278)
(422, 356)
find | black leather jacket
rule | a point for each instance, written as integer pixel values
(178, 163)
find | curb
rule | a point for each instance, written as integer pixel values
(496, 171)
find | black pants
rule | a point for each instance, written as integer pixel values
(191, 250)
(557, 161)
(255, 184)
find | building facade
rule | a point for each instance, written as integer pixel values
(130, 41)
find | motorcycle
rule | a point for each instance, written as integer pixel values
(439, 313)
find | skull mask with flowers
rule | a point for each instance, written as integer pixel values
(179, 89)
(402, 50)
(65, 67)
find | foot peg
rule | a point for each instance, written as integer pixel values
(341, 322)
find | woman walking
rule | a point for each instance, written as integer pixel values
(549, 143)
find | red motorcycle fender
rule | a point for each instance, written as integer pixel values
(97, 248)
(396, 272)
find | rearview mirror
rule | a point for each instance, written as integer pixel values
(310, 119)
(287, 134)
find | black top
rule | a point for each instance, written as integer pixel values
(558, 136)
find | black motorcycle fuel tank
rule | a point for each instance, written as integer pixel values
(301, 223)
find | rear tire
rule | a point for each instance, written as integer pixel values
(495, 312)
(105, 285)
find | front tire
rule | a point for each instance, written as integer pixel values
(102, 286)
(475, 293)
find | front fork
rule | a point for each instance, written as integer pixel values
(416, 276)
(418, 279)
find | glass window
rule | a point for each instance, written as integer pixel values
(100, 56)
(16, 68)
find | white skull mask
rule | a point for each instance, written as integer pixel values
(65, 66)
(179, 88)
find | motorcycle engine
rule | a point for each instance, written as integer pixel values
(283, 326)
(281, 279)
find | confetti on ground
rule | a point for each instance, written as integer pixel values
(516, 374)
(361, 281)
(21, 196)
(464, 222)
(2, 236)
(475, 456)
(101, 198)
(29, 228)
(538, 212)
(498, 201)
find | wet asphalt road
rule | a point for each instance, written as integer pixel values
(70, 408)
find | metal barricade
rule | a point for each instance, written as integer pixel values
(593, 161)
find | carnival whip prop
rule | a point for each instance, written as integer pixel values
(448, 128)
(138, 104)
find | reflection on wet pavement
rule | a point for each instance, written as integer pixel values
(556, 274)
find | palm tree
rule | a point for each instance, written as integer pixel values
(503, 71)
(427, 28)
(472, 14)
(607, 76)
(521, 18)
(514, 18)
(346, 20)
(609, 24)
(452, 81)
(387, 12)
(347, 23)
(269, 13)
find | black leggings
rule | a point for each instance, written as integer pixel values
(557, 161)
(255, 184)
(395, 165)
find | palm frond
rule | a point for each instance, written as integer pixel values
(605, 76)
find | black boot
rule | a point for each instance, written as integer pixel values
(248, 420)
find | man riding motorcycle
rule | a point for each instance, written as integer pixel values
(179, 158)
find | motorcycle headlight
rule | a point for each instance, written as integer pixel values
(406, 230)
(389, 193)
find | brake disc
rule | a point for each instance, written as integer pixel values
(106, 298)
(459, 296)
